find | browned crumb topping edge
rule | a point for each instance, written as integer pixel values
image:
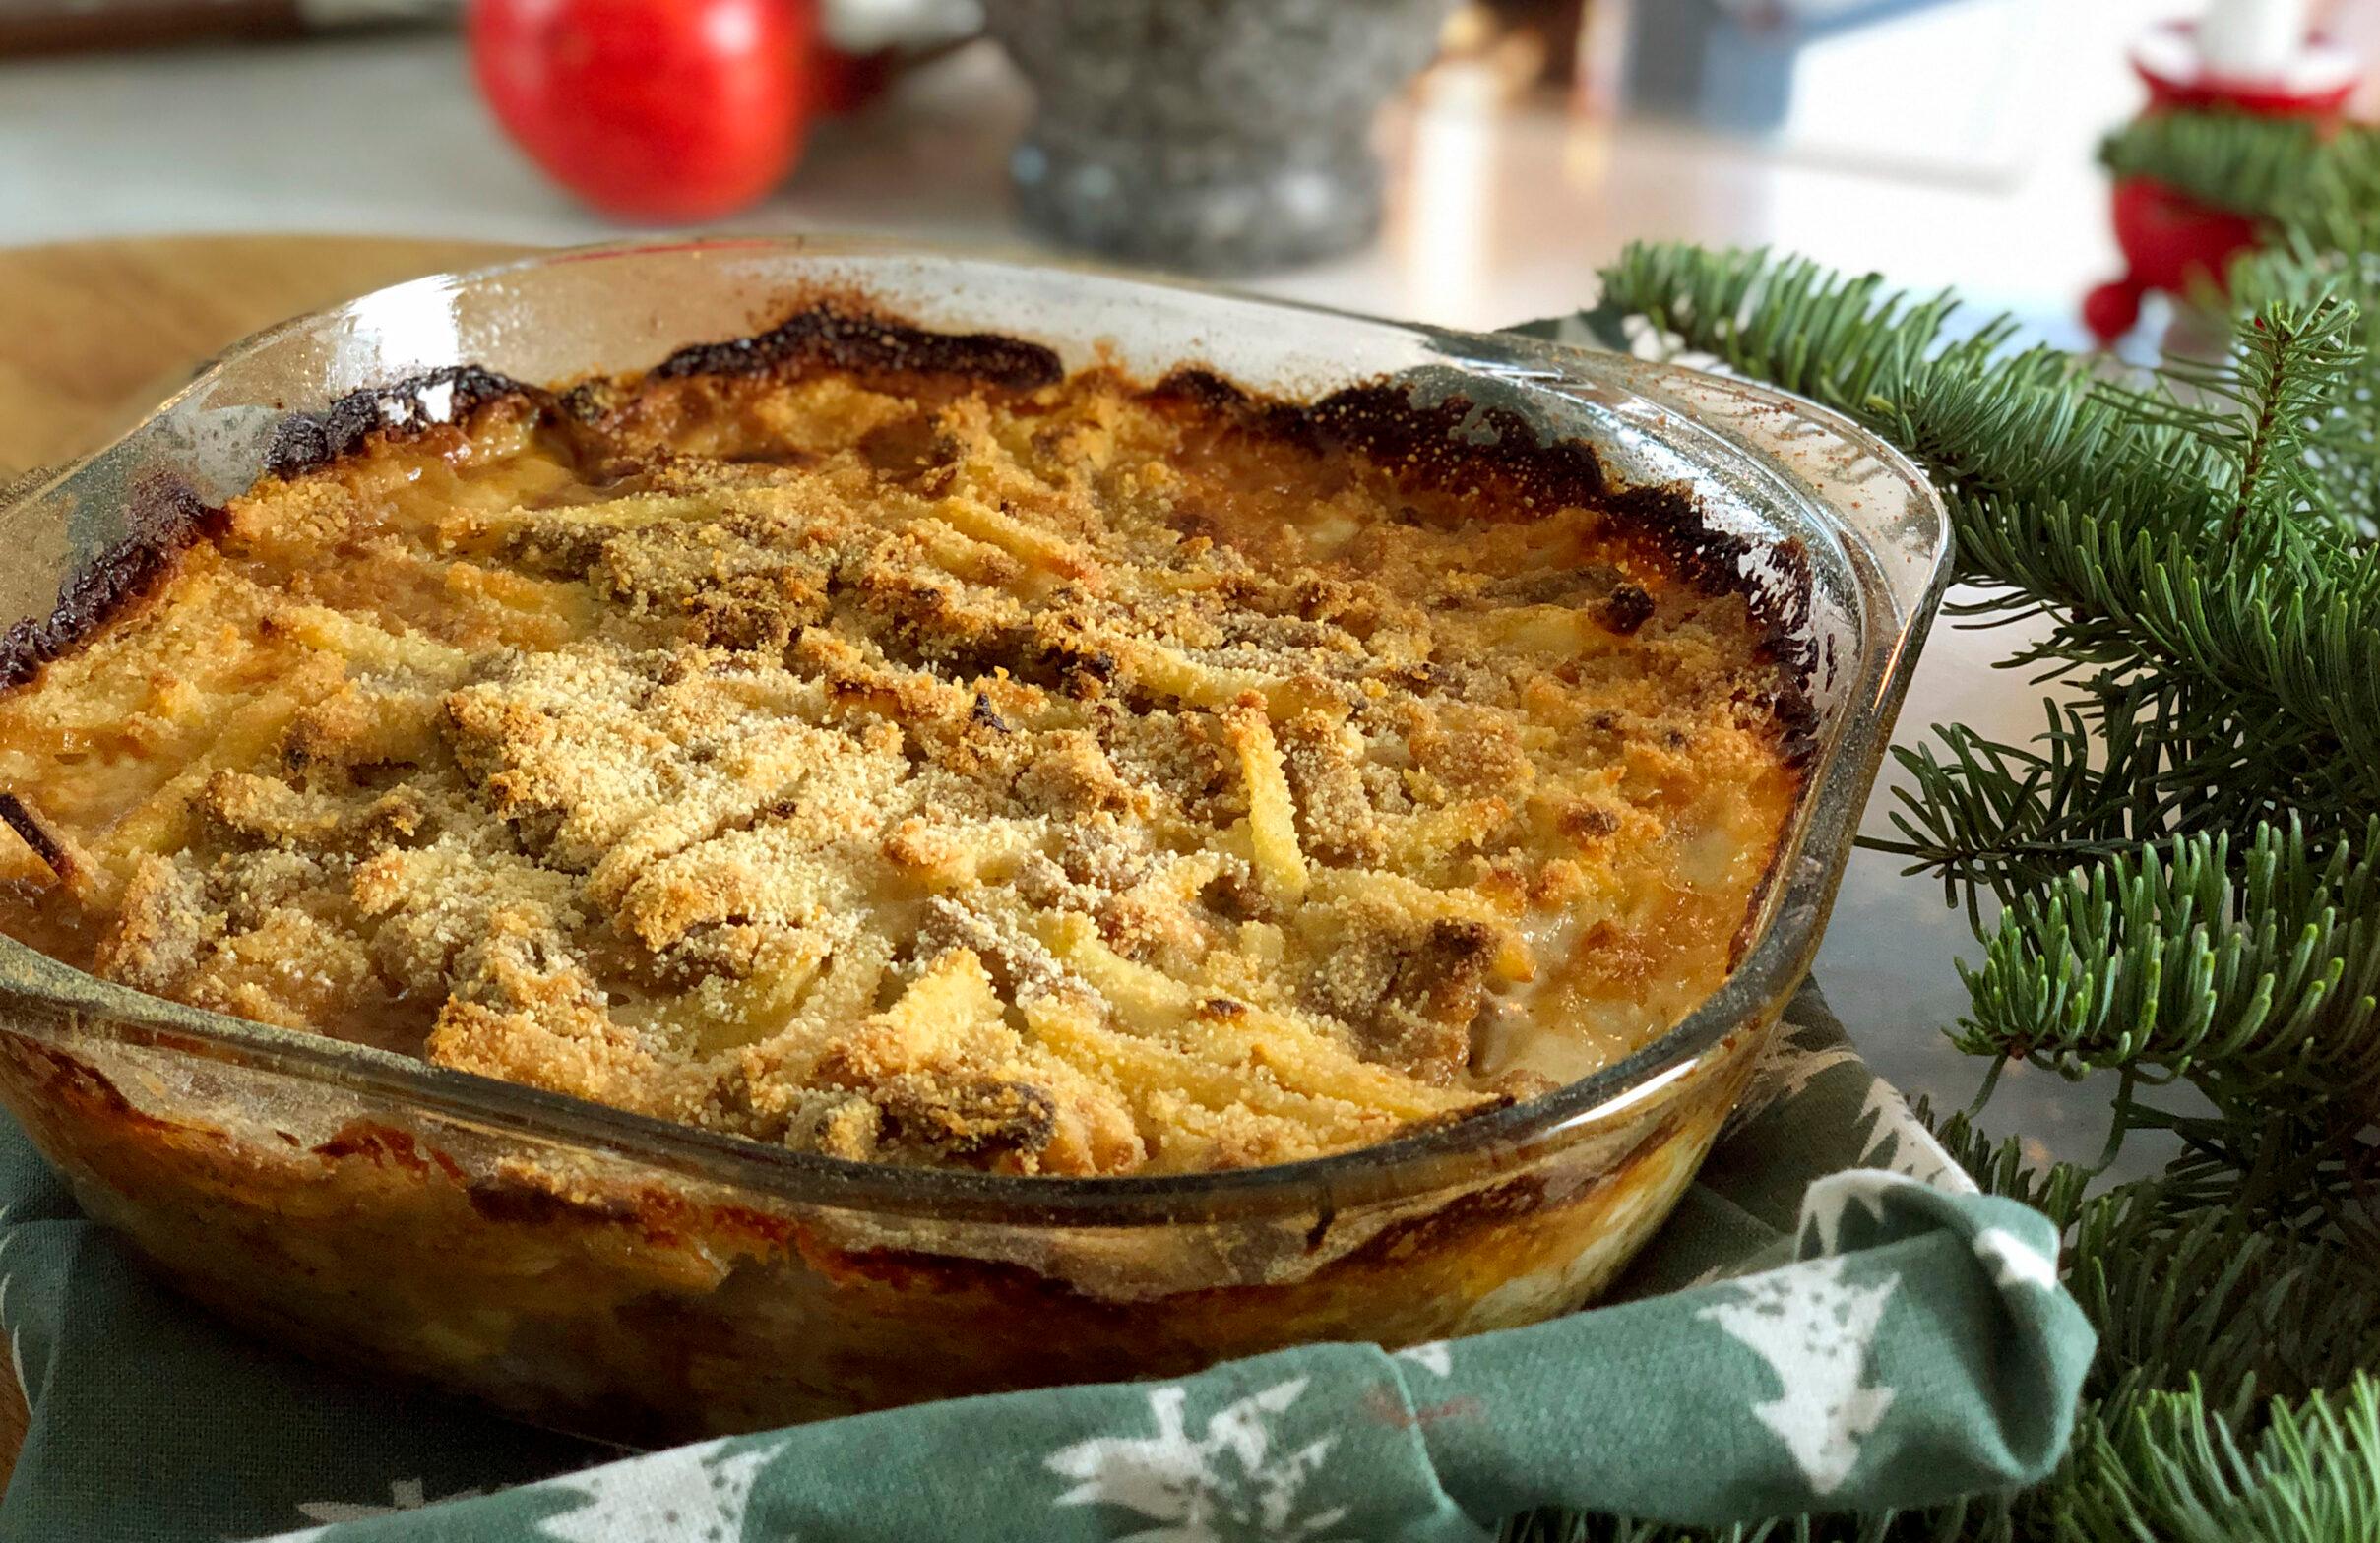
(875, 740)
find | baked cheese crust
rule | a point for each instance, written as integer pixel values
(921, 766)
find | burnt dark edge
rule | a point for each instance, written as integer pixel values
(1454, 440)
(848, 339)
(305, 442)
(1436, 445)
(162, 516)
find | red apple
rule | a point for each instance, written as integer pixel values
(662, 111)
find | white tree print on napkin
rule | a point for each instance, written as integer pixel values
(1838, 1195)
(1914, 1152)
(687, 1494)
(1785, 1072)
(2014, 1261)
(403, 1494)
(16, 1346)
(1432, 1355)
(1224, 1487)
(1814, 1328)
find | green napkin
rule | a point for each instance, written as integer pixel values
(1835, 1318)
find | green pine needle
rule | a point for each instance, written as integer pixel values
(2183, 867)
(2156, 546)
(2177, 1471)
(2258, 979)
(2232, 161)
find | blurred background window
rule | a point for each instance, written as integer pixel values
(1950, 78)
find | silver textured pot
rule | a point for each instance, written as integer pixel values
(1210, 135)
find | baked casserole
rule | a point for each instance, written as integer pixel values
(891, 745)
(885, 861)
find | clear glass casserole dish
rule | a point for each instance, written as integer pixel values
(612, 1274)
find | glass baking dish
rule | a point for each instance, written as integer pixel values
(610, 1273)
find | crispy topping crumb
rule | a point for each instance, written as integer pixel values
(1062, 778)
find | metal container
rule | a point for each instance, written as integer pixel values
(608, 1272)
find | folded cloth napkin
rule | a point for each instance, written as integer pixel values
(1835, 1318)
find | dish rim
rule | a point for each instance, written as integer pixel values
(1803, 877)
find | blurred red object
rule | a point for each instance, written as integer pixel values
(842, 83)
(2170, 241)
(657, 110)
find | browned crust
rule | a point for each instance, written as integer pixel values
(1747, 932)
(1458, 444)
(527, 1198)
(1453, 444)
(307, 441)
(83, 1094)
(845, 337)
(162, 519)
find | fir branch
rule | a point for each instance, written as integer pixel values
(2343, 453)
(2123, 762)
(2107, 506)
(2255, 988)
(2290, 365)
(2321, 194)
(2200, 545)
(2334, 207)
(2178, 1292)
(2230, 160)
(2319, 184)
(2290, 646)
(2010, 818)
(2001, 1167)
(2030, 425)
(2177, 1469)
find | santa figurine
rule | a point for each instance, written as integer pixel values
(2253, 56)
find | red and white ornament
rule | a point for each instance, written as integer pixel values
(2254, 56)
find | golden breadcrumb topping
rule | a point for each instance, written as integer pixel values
(1069, 779)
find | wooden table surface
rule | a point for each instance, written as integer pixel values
(94, 334)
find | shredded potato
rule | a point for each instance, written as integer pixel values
(1070, 777)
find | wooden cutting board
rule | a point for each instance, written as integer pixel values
(94, 334)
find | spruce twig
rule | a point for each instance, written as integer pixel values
(2185, 863)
